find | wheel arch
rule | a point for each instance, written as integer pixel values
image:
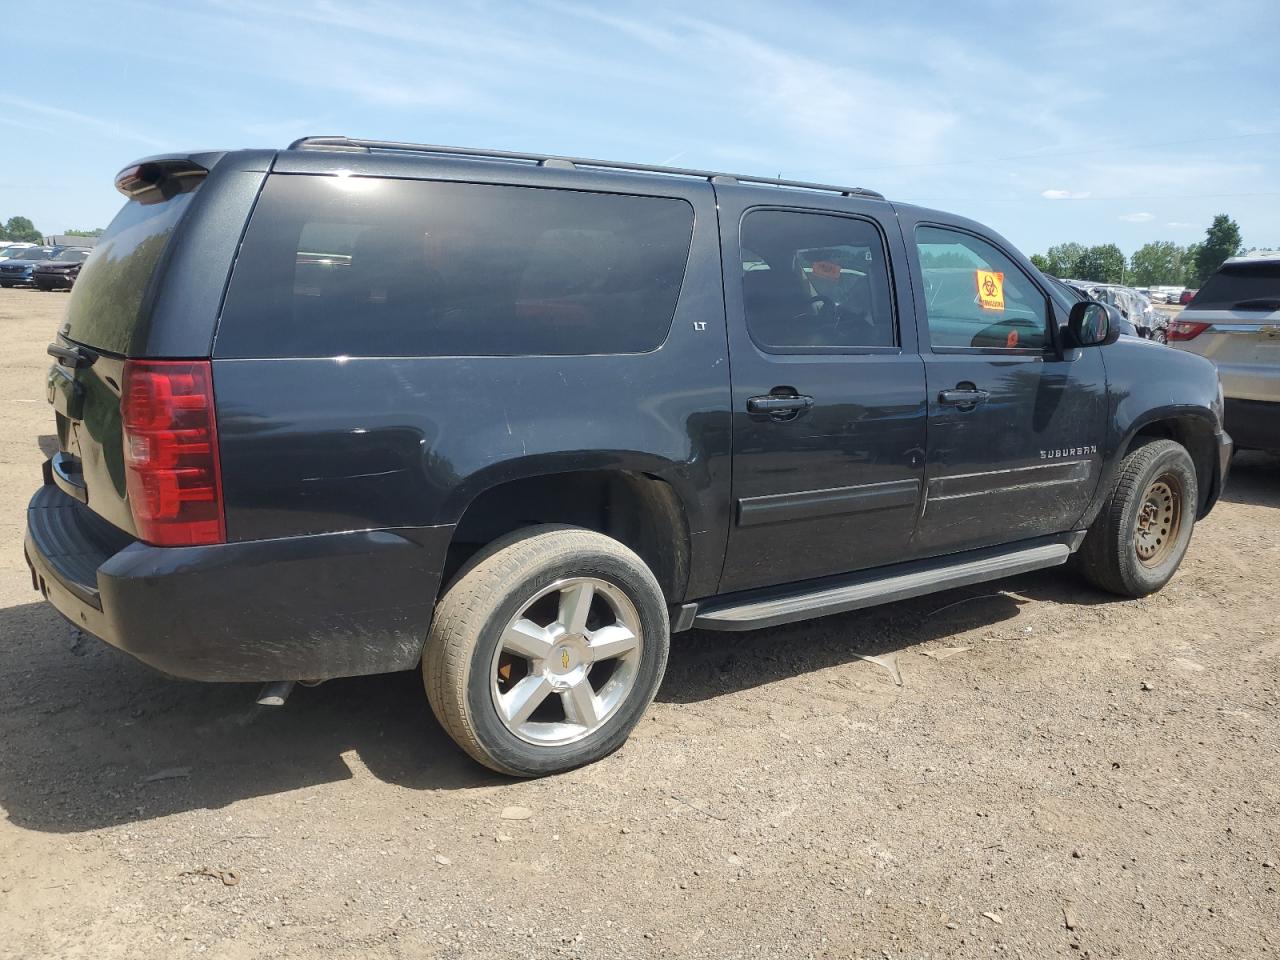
(1194, 432)
(1194, 429)
(1192, 426)
(638, 508)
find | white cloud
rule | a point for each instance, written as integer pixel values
(1064, 194)
(62, 115)
(779, 96)
(1137, 217)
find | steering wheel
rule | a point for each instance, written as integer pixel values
(827, 303)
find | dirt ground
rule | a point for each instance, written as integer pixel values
(1058, 773)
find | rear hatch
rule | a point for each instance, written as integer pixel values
(107, 307)
(1234, 320)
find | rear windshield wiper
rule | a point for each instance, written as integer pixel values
(1257, 303)
(76, 356)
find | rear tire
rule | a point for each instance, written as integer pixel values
(546, 650)
(1140, 536)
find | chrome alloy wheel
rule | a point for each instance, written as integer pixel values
(566, 662)
(1159, 519)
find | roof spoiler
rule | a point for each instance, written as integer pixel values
(157, 179)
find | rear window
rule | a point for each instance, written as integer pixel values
(334, 266)
(108, 293)
(1250, 285)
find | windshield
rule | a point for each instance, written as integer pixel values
(1248, 285)
(32, 253)
(71, 256)
(1064, 295)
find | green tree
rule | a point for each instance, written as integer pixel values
(1041, 262)
(950, 259)
(1103, 263)
(1190, 276)
(95, 232)
(1159, 263)
(1063, 259)
(1221, 240)
(20, 228)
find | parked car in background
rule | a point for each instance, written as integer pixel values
(19, 269)
(1069, 294)
(1234, 320)
(59, 272)
(11, 248)
(1134, 306)
(1187, 296)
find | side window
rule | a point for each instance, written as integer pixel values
(976, 297)
(814, 281)
(365, 266)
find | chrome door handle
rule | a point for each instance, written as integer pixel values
(775, 403)
(963, 397)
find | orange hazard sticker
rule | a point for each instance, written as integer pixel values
(826, 270)
(990, 289)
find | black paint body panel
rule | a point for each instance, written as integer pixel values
(865, 433)
(314, 445)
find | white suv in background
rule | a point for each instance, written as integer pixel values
(9, 247)
(1235, 321)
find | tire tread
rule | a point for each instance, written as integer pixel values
(467, 604)
(1099, 557)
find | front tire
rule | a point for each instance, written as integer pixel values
(546, 650)
(1139, 538)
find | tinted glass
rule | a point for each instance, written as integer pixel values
(71, 256)
(1252, 285)
(975, 296)
(812, 281)
(108, 293)
(1065, 295)
(350, 266)
(32, 253)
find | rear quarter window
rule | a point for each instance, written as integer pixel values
(1249, 285)
(108, 294)
(354, 266)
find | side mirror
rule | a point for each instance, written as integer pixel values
(1091, 325)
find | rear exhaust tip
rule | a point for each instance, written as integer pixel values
(275, 693)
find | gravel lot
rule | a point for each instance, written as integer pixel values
(1057, 773)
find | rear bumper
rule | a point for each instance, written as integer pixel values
(313, 607)
(1254, 423)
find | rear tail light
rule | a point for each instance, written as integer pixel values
(1186, 329)
(171, 452)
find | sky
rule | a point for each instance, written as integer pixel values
(1122, 121)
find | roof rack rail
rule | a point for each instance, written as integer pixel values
(542, 160)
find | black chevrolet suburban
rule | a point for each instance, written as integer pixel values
(359, 406)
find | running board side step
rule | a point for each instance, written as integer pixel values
(870, 588)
